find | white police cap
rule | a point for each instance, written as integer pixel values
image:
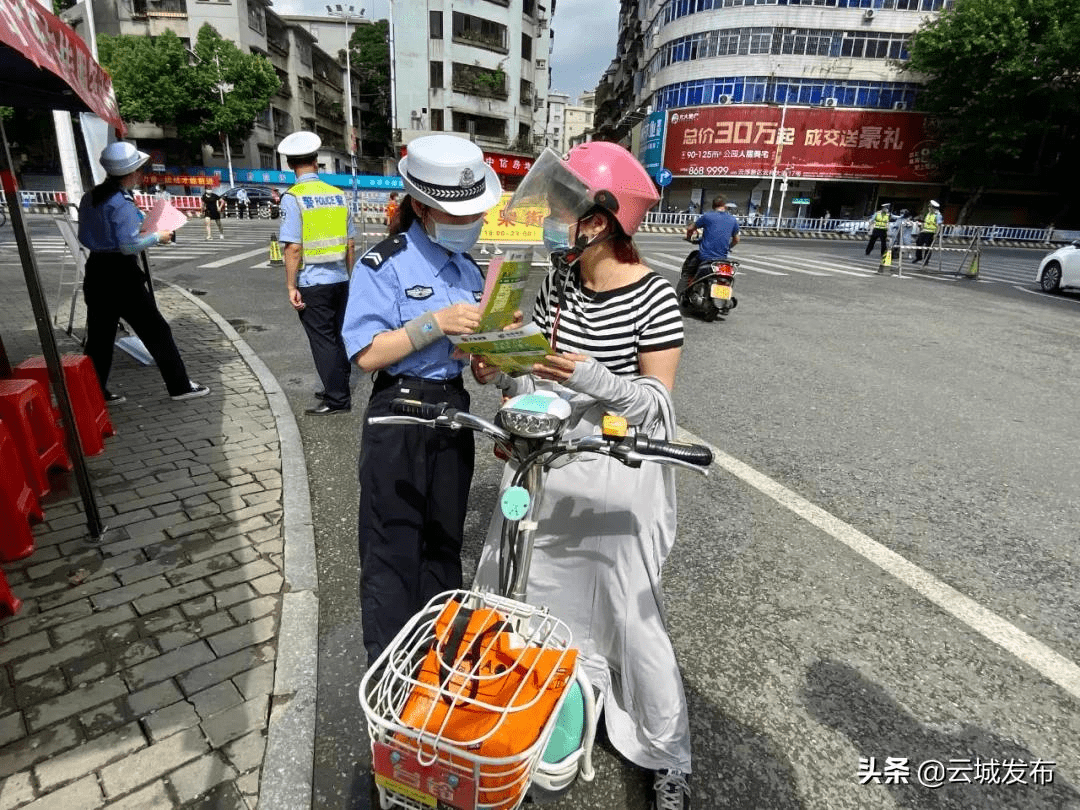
(300, 144)
(935, 204)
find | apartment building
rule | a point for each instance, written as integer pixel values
(312, 91)
(477, 68)
(745, 96)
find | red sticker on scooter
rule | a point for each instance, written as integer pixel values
(434, 785)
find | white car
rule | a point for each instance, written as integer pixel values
(1061, 269)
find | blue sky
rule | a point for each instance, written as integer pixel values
(585, 34)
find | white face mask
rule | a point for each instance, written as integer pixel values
(457, 238)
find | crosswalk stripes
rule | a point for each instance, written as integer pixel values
(825, 265)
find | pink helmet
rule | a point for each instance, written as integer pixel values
(615, 180)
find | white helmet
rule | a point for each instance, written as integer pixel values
(121, 158)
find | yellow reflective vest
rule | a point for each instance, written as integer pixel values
(881, 220)
(325, 220)
(929, 224)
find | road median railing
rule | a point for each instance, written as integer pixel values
(958, 236)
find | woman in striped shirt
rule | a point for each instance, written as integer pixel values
(604, 530)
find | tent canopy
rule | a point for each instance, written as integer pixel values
(44, 64)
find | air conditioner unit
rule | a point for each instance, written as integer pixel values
(899, 105)
(828, 102)
(868, 14)
(724, 99)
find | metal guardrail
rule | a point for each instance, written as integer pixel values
(861, 227)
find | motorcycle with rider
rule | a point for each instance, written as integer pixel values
(705, 284)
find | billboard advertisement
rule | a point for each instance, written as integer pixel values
(815, 142)
(652, 142)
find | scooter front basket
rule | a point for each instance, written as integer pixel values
(462, 703)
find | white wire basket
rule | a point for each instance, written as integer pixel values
(460, 706)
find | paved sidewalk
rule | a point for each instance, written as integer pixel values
(173, 664)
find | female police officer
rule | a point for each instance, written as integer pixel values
(406, 294)
(114, 286)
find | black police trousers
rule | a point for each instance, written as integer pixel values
(414, 490)
(115, 288)
(322, 317)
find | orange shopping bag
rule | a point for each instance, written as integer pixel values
(485, 690)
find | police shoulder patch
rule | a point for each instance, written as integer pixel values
(377, 256)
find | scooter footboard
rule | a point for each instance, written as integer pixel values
(462, 703)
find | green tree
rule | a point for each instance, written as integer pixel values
(155, 81)
(1002, 80)
(369, 53)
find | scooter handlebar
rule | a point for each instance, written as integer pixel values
(418, 409)
(695, 454)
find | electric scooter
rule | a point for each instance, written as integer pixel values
(479, 701)
(706, 294)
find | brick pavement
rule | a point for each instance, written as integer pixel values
(172, 664)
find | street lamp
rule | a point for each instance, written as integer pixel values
(222, 88)
(776, 161)
(347, 13)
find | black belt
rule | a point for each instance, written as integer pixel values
(384, 381)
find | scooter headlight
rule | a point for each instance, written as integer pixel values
(536, 415)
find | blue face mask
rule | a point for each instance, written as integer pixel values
(556, 234)
(457, 238)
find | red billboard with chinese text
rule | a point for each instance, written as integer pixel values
(753, 140)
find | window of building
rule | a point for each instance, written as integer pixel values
(528, 7)
(266, 157)
(435, 74)
(479, 32)
(256, 18)
(526, 92)
(763, 89)
(437, 124)
(481, 125)
(478, 81)
(526, 46)
(435, 24)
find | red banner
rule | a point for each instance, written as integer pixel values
(43, 39)
(751, 140)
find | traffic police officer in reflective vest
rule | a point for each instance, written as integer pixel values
(932, 223)
(880, 228)
(318, 236)
(406, 295)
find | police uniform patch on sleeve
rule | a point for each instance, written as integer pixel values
(478, 295)
(418, 292)
(377, 256)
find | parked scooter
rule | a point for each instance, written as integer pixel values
(705, 289)
(479, 700)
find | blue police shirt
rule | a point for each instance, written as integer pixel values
(112, 226)
(292, 231)
(717, 229)
(421, 277)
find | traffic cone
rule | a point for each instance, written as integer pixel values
(973, 270)
(276, 257)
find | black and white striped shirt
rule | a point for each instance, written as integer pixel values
(613, 326)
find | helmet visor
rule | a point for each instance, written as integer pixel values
(550, 192)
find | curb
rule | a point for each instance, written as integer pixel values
(286, 780)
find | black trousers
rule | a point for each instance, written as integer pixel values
(881, 234)
(414, 489)
(922, 240)
(115, 288)
(322, 317)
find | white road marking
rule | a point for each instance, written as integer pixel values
(1054, 666)
(750, 264)
(1046, 295)
(234, 259)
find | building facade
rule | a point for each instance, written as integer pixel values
(477, 68)
(312, 90)
(808, 95)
